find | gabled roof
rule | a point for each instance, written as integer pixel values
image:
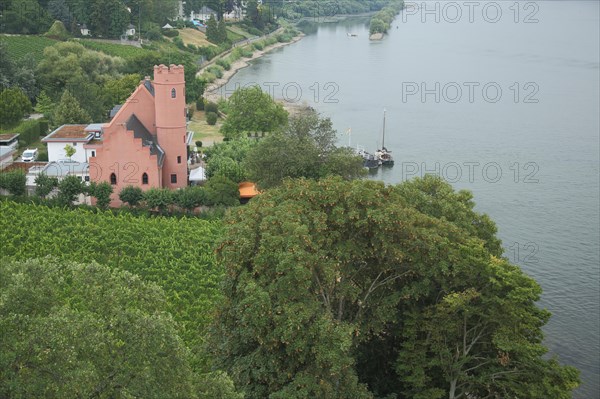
(148, 85)
(207, 10)
(148, 140)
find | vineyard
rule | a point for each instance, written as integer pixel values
(175, 253)
(117, 50)
(20, 46)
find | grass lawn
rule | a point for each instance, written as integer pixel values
(239, 31)
(194, 36)
(234, 36)
(203, 131)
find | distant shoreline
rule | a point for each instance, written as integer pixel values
(212, 92)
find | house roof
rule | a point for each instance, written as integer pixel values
(148, 85)
(148, 140)
(8, 137)
(66, 167)
(131, 26)
(207, 10)
(67, 133)
(94, 127)
(167, 26)
(114, 111)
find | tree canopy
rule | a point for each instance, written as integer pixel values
(72, 330)
(338, 289)
(252, 110)
(306, 147)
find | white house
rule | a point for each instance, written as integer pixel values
(76, 136)
(84, 30)
(130, 30)
(205, 13)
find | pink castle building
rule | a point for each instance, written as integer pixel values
(145, 143)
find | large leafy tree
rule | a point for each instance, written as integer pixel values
(252, 110)
(24, 17)
(346, 289)
(304, 148)
(72, 330)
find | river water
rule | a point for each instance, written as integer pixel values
(500, 98)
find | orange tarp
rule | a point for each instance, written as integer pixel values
(247, 190)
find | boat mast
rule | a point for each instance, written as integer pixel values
(383, 138)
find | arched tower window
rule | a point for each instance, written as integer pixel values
(145, 178)
(113, 179)
(173, 93)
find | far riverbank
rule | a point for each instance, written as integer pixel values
(213, 92)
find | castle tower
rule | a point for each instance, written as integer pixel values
(169, 102)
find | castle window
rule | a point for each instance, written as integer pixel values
(178, 158)
(113, 179)
(173, 178)
(145, 178)
(173, 93)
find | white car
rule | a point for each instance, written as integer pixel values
(30, 155)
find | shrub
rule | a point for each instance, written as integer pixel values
(13, 182)
(200, 103)
(190, 112)
(222, 191)
(198, 144)
(131, 195)
(57, 31)
(101, 191)
(190, 198)
(158, 198)
(211, 118)
(68, 189)
(179, 43)
(211, 107)
(43, 155)
(258, 45)
(170, 32)
(216, 70)
(44, 185)
(223, 63)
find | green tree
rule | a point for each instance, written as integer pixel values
(44, 185)
(69, 111)
(14, 182)
(101, 191)
(159, 199)
(59, 10)
(377, 26)
(68, 189)
(131, 195)
(14, 105)
(252, 110)
(334, 286)
(69, 151)
(189, 198)
(72, 330)
(116, 91)
(222, 191)
(44, 105)
(212, 30)
(108, 18)
(57, 31)
(24, 17)
(222, 31)
(305, 148)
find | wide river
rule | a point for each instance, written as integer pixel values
(500, 98)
